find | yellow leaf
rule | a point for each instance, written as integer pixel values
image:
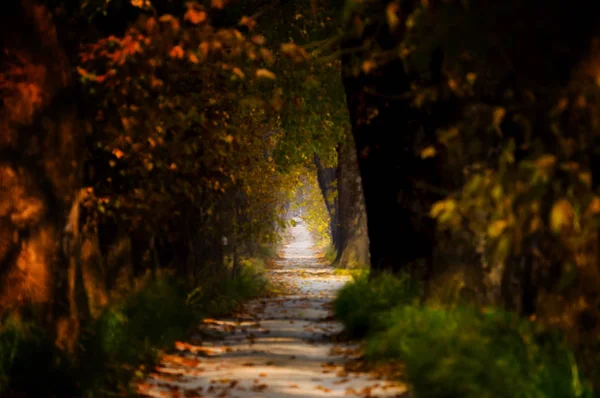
(535, 225)
(391, 14)
(265, 73)
(561, 215)
(238, 72)
(428, 152)
(586, 178)
(594, 206)
(471, 77)
(546, 161)
(368, 65)
(229, 139)
(498, 116)
(442, 206)
(496, 228)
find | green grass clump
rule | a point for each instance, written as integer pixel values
(224, 295)
(132, 332)
(361, 302)
(162, 312)
(467, 353)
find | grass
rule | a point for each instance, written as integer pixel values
(126, 337)
(360, 303)
(457, 352)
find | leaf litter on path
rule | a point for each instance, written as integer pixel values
(283, 346)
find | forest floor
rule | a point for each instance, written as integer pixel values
(281, 346)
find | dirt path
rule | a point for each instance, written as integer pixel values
(278, 347)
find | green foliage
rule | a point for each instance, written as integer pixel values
(468, 353)
(360, 303)
(132, 332)
(226, 294)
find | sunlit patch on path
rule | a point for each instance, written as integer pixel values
(276, 347)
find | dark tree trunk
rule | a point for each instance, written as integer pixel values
(327, 179)
(400, 232)
(353, 240)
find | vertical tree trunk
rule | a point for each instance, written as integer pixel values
(383, 128)
(327, 179)
(354, 249)
(40, 167)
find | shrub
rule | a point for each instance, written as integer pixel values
(360, 303)
(467, 353)
(131, 332)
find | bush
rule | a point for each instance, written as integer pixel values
(467, 353)
(132, 332)
(360, 303)
(225, 294)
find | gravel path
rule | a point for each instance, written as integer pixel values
(277, 347)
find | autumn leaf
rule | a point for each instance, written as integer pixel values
(561, 216)
(217, 4)
(167, 18)
(368, 65)
(391, 13)
(141, 3)
(248, 22)
(238, 72)
(195, 16)
(265, 73)
(498, 115)
(444, 210)
(546, 163)
(118, 153)
(496, 228)
(428, 152)
(176, 52)
(258, 39)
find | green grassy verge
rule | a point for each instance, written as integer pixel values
(126, 337)
(461, 352)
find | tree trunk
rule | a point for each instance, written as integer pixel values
(354, 243)
(40, 167)
(327, 179)
(400, 231)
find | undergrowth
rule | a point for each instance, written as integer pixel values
(124, 339)
(461, 352)
(360, 303)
